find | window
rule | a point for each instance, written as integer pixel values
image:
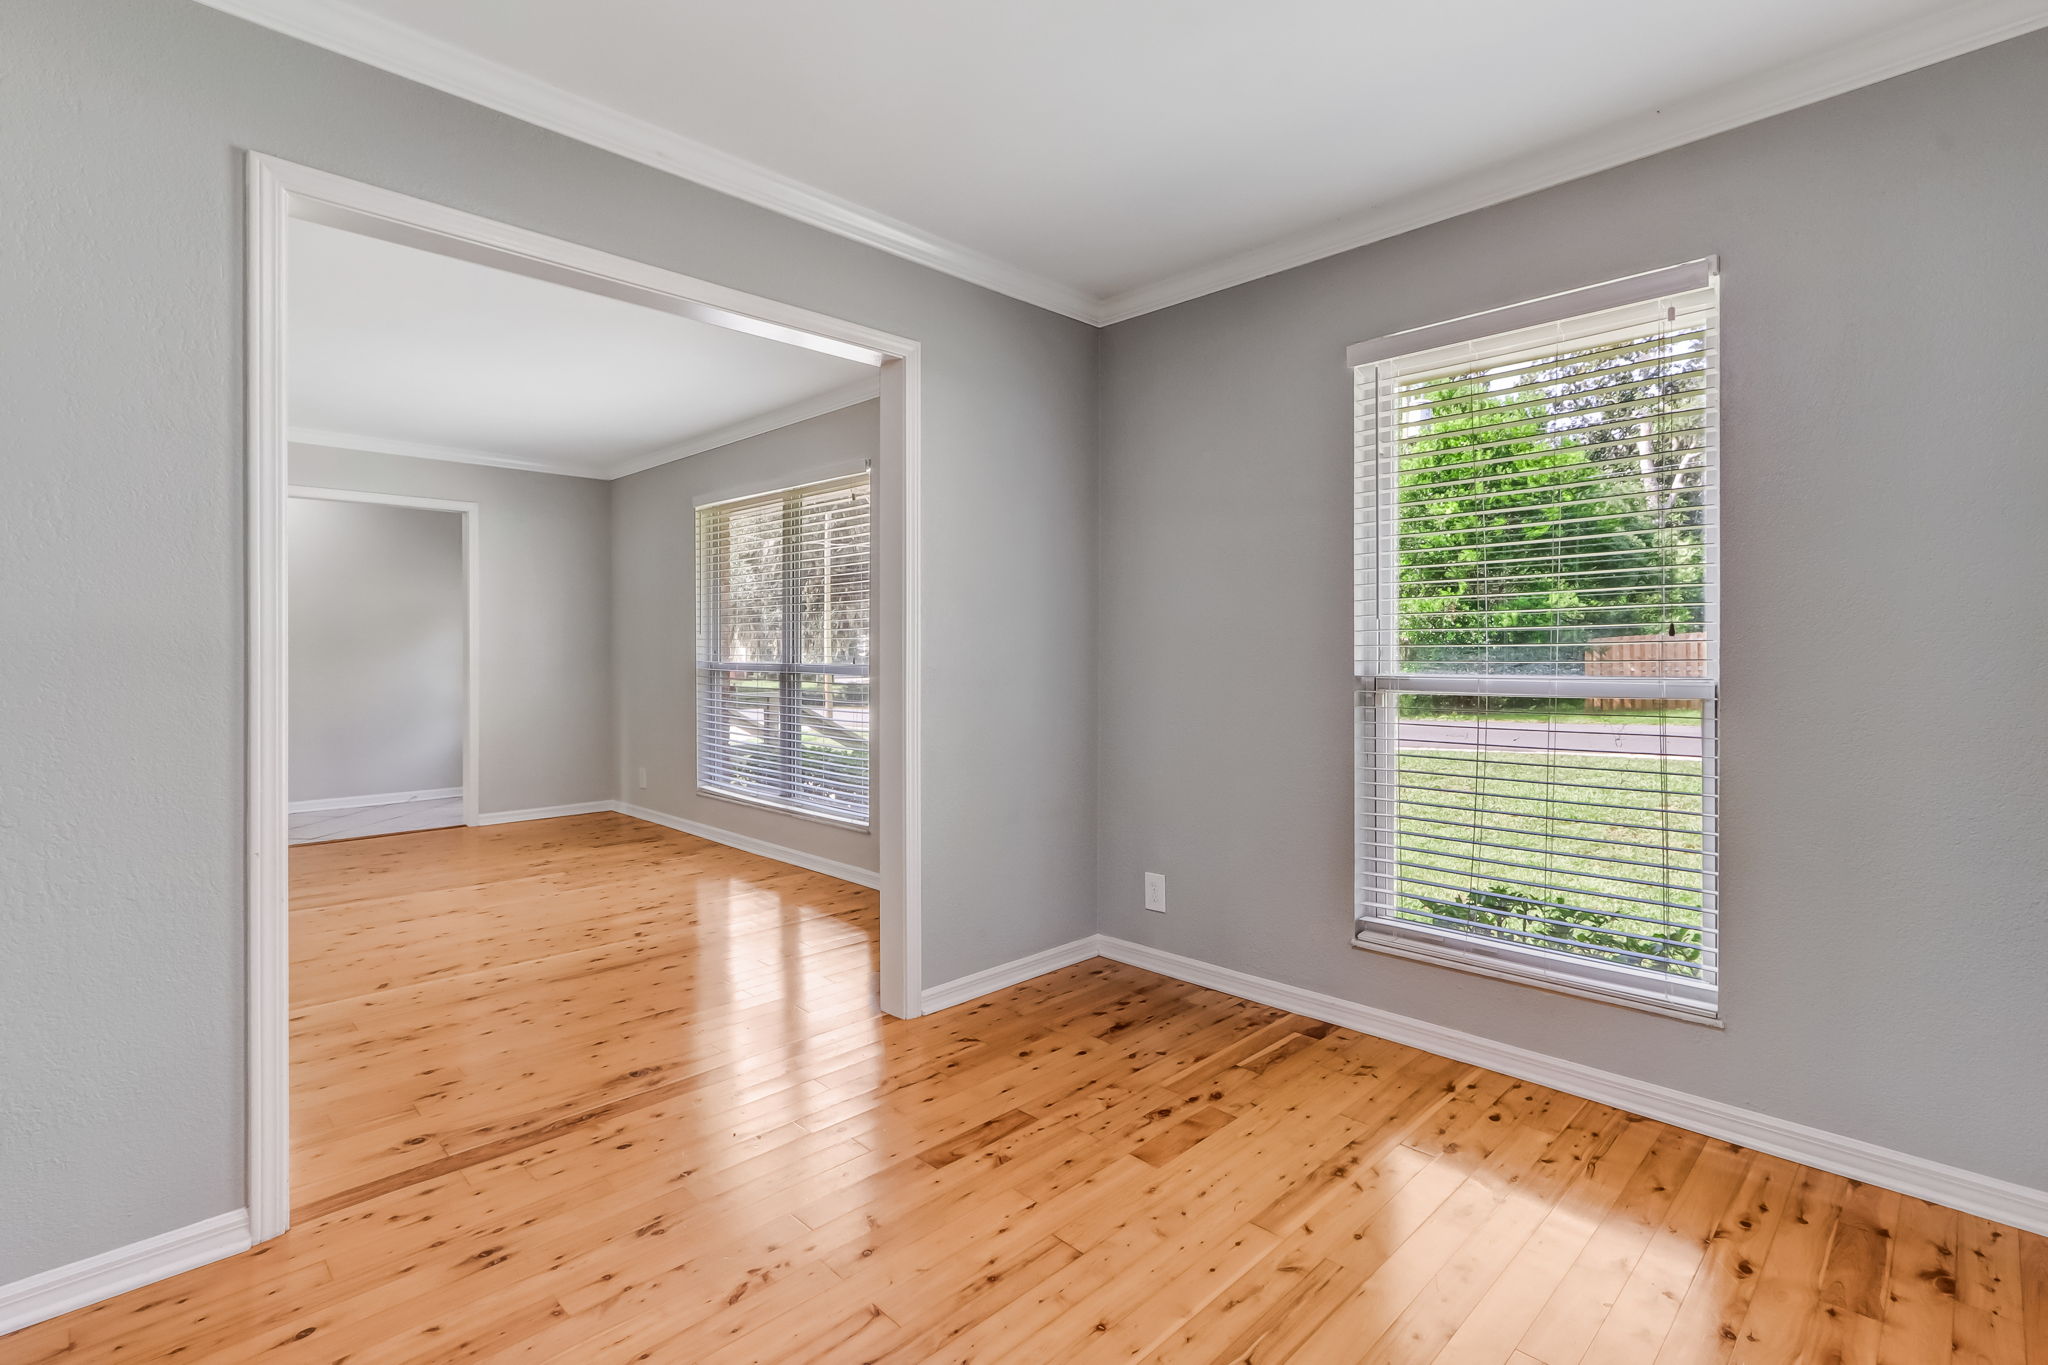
(782, 650)
(1537, 642)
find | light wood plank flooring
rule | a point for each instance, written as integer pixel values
(588, 1090)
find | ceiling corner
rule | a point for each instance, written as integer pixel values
(376, 41)
(391, 46)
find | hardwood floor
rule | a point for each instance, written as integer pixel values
(589, 1090)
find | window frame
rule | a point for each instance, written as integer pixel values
(1379, 685)
(789, 672)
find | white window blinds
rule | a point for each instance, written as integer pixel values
(782, 650)
(1536, 641)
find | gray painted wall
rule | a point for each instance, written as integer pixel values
(1884, 739)
(655, 611)
(121, 748)
(1884, 746)
(544, 681)
(378, 639)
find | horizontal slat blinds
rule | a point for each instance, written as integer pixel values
(782, 657)
(1536, 651)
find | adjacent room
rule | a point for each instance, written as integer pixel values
(880, 684)
(660, 529)
(379, 628)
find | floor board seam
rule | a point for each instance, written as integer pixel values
(489, 1151)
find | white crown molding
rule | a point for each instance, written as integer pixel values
(817, 405)
(403, 51)
(96, 1278)
(1935, 38)
(407, 52)
(1983, 1195)
(420, 450)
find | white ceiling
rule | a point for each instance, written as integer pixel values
(398, 349)
(1106, 157)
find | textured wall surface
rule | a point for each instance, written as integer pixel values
(1884, 744)
(545, 681)
(378, 648)
(654, 607)
(121, 732)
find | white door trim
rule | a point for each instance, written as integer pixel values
(281, 190)
(472, 618)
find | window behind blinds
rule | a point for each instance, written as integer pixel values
(782, 649)
(1536, 643)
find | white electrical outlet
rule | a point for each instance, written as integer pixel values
(1155, 891)
(643, 779)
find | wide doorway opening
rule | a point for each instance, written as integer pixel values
(583, 607)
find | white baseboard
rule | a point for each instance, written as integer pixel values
(1005, 974)
(387, 799)
(810, 862)
(513, 817)
(1987, 1197)
(41, 1297)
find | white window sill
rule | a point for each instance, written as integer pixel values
(1503, 962)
